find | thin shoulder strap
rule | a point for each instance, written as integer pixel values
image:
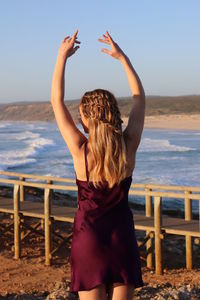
(86, 165)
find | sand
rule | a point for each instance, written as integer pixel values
(29, 275)
(175, 121)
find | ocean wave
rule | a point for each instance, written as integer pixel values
(158, 145)
(159, 158)
(50, 174)
(41, 128)
(10, 160)
(4, 124)
(26, 135)
(33, 144)
(42, 125)
(38, 143)
(15, 136)
(163, 180)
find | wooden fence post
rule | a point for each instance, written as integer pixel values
(17, 241)
(47, 225)
(199, 215)
(158, 241)
(50, 197)
(21, 189)
(149, 243)
(50, 204)
(188, 238)
(21, 198)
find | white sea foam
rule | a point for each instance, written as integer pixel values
(12, 159)
(151, 180)
(38, 125)
(42, 128)
(66, 160)
(158, 145)
(32, 142)
(15, 136)
(38, 143)
(17, 157)
(159, 158)
(26, 135)
(36, 179)
(50, 174)
(4, 124)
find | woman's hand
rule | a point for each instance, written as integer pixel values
(68, 47)
(115, 51)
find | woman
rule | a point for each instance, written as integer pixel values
(104, 251)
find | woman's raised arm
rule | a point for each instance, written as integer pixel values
(71, 134)
(134, 129)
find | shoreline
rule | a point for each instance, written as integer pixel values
(171, 122)
(187, 122)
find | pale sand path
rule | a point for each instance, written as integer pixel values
(179, 121)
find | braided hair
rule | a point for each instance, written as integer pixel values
(106, 139)
(101, 105)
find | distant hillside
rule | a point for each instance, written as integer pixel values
(155, 105)
(161, 105)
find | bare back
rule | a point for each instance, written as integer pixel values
(79, 162)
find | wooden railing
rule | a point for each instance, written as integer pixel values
(188, 193)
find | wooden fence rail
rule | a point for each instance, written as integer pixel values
(153, 223)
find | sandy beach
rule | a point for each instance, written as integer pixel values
(175, 121)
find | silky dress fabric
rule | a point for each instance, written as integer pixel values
(104, 248)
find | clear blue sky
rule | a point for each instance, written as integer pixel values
(161, 39)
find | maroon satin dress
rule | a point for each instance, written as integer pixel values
(104, 248)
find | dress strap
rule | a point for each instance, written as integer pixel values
(86, 165)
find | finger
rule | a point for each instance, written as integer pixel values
(104, 41)
(75, 35)
(77, 42)
(75, 49)
(75, 32)
(67, 37)
(108, 35)
(106, 51)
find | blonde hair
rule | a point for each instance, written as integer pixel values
(105, 137)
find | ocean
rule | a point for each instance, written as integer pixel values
(170, 157)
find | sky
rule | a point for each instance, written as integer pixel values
(161, 38)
